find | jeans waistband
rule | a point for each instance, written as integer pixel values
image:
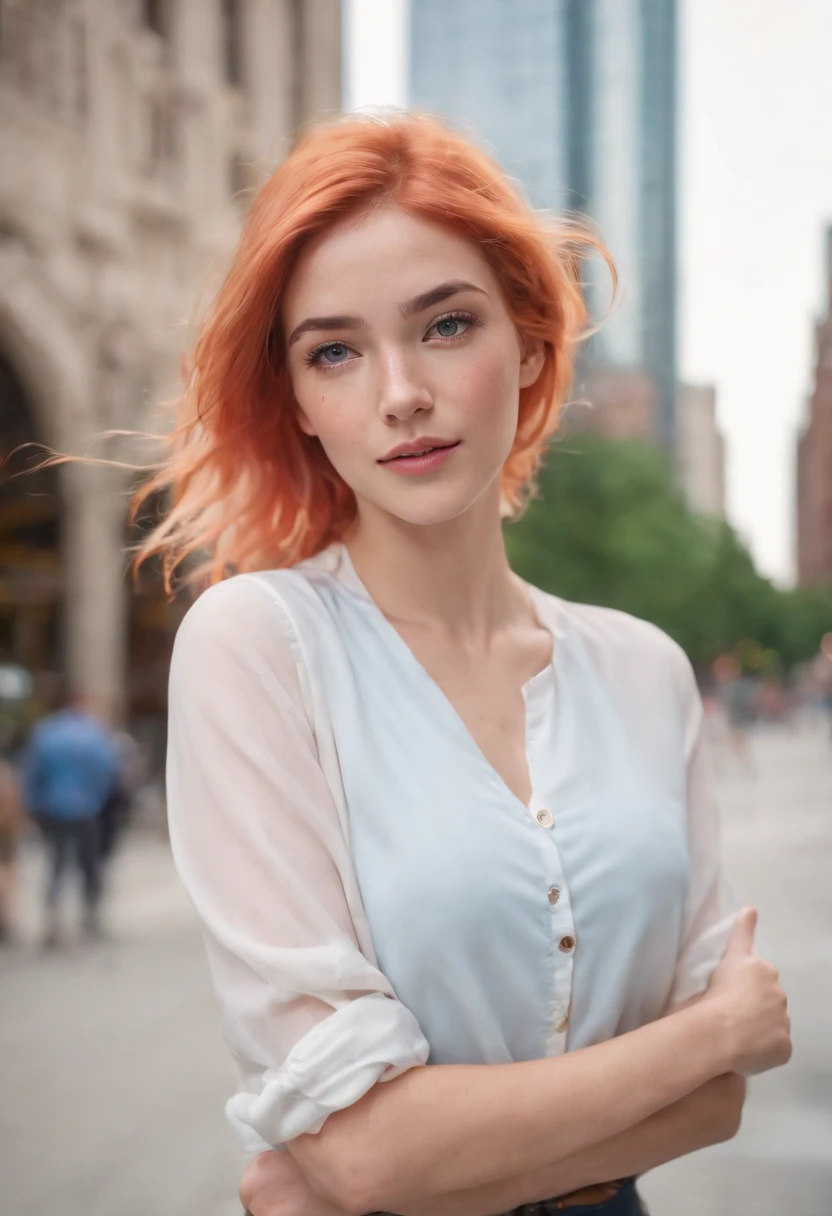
(625, 1202)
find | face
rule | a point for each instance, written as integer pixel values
(406, 365)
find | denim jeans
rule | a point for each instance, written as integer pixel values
(72, 844)
(625, 1203)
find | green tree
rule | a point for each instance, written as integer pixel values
(806, 618)
(609, 526)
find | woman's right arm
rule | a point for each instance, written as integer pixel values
(313, 1023)
(274, 1184)
(443, 1129)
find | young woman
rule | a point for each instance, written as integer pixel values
(427, 813)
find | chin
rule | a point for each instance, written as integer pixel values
(434, 506)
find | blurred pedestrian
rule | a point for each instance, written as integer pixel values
(11, 827)
(736, 693)
(70, 769)
(115, 814)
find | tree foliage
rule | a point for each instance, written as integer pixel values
(609, 526)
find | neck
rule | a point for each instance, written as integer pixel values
(455, 575)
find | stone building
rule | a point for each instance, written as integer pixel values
(814, 458)
(131, 133)
(700, 449)
(617, 402)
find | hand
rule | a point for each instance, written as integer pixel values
(751, 1002)
(273, 1184)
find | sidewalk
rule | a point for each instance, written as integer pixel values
(778, 848)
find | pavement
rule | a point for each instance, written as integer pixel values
(114, 1075)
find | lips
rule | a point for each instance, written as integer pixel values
(420, 447)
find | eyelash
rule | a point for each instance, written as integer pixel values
(312, 359)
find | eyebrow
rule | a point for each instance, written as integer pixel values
(428, 299)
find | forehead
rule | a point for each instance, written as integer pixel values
(387, 256)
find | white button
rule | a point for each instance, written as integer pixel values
(562, 1023)
(567, 943)
(544, 818)
(554, 895)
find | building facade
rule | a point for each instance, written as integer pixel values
(577, 100)
(131, 134)
(814, 458)
(700, 449)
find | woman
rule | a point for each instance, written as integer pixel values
(425, 811)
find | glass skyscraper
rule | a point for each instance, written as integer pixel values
(577, 100)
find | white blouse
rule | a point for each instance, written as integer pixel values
(373, 895)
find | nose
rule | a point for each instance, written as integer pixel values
(401, 392)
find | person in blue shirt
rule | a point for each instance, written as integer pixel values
(69, 771)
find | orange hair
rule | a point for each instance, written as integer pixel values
(247, 488)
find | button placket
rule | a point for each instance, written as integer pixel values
(564, 938)
(559, 1016)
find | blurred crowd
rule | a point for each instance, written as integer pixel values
(72, 785)
(736, 701)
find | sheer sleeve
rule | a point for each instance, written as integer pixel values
(309, 1018)
(711, 905)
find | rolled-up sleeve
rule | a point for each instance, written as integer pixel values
(311, 1021)
(711, 906)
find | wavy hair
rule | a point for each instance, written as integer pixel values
(246, 488)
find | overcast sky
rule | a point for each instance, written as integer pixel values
(756, 194)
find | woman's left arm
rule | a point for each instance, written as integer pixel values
(274, 1185)
(711, 908)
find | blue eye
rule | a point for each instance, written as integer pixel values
(448, 327)
(332, 353)
(453, 326)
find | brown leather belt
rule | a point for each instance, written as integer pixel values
(587, 1196)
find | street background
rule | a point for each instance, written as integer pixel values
(690, 484)
(114, 1073)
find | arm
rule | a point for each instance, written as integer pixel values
(711, 907)
(31, 775)
(273, 1184)
(452, 1128)
(563, 1105)
(312, 1022)
(11, 802)
(708, 1116)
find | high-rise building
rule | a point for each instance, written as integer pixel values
(577, 100)
(700, 449)
(130, 133)
(814, 458)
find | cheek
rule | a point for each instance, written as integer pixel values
(489, 387)
(331, 414)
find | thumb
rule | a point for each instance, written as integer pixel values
(742, 938)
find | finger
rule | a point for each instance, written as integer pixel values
(742, 938)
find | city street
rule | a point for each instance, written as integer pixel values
(114, 1073)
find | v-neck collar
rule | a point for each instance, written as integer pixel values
(537, 691)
